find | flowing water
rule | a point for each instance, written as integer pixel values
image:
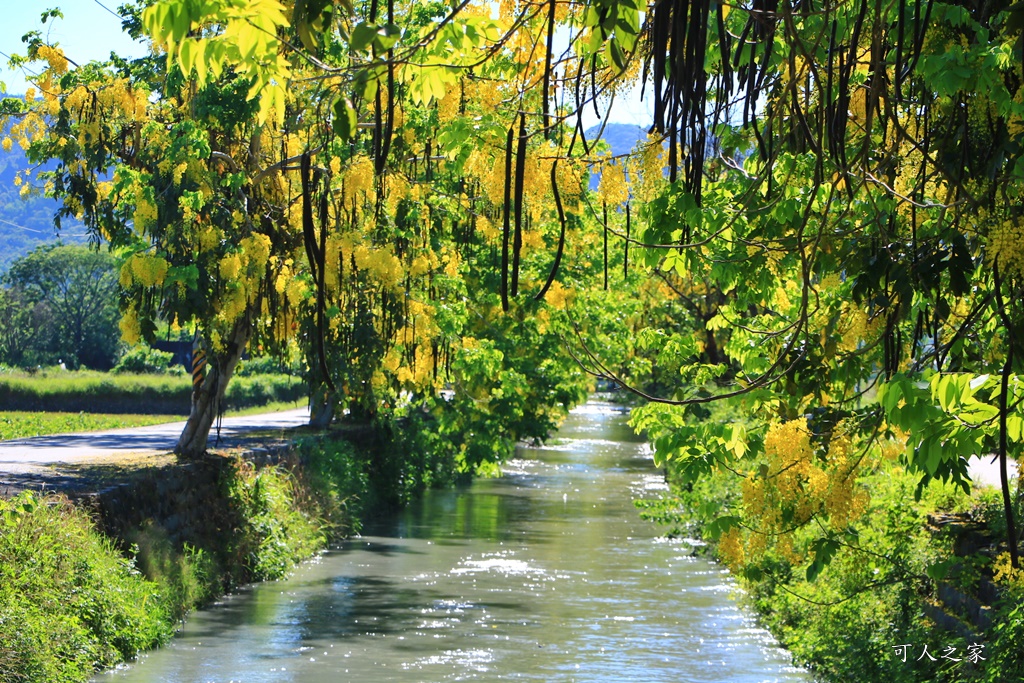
(545, 574)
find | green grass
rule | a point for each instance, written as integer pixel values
(98, 392)
(19, 424)
(275, 407)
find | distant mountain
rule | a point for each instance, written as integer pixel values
(26, 223)
(621, 138)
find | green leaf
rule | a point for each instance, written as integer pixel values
(1014, 427)
(939, 570)
(386, 37)
(187, 274)
(344, 120)
(308, 18)
(615, 52)
(719, 526)
(824, 550)
(362, 36)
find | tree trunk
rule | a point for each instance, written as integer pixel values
(321, 410)
(206, 400)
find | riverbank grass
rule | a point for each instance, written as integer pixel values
(70, 604)
(74, 602)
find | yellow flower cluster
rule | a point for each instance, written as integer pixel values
(1004, 574)
(54, 57)
(397, 187)
(452, 262)
(143, 270)
(488, 93)
(842, 500)
(1006, 246)
(646, 167)
(855, 326)
(491, 172)
(486, 228)
(131, 329)
(537, 180)
(230, 267)
(795, 483)
(613, 188)
(571, 177)
(557, 295)
(145, 214)
(208, 237)
(256, 248)
(392, 359)
(232, 303)
(357, 179)
(830, 282)
(449, 105)
(420, 266)
(381, 264)
(32, 126)
(730, 548)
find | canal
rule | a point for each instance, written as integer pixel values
(545, 574)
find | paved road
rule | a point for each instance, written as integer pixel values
(76, 448)
(21, 454)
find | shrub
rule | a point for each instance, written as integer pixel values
(188, 578)
(265, 365)
(144, 360)
(338, 478)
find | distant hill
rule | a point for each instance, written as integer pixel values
(26, 223)
(621, 138)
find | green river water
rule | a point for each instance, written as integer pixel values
(545, 574)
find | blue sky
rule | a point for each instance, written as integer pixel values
(87, 32)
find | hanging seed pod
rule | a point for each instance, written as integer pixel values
(517, 243)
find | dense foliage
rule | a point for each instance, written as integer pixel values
(59, 305)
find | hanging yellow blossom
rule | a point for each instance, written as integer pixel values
(730, 548)
(230, 266)
(557, 295)
(131, 330)
(148, 271)
(357, 179)
(612, 188)
(54, 56)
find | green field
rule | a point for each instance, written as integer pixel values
(53, 391)
(17, 424)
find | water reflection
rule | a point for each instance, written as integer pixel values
(546, 574)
